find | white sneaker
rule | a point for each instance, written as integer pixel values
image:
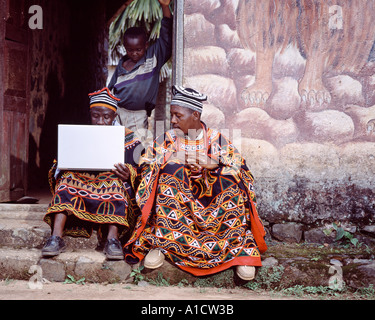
(154, 259)
(246, 272)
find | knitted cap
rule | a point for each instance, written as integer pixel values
(188, 98)
(103, 98)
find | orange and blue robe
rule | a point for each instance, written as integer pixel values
(203, 223)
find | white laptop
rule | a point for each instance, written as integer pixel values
(90, 147)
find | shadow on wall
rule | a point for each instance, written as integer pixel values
(81, 70)
(48, 138)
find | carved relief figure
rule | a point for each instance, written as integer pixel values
(335, 37)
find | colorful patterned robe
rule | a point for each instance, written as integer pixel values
(203, 223)
(93, 199)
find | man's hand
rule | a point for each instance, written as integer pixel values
(199, 161)
(122, 171)
(178, 156)
(196, 161)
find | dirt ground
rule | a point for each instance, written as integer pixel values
(19, 290)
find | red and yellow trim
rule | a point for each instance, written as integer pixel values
(104, 89)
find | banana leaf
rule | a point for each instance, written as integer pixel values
(139, 13)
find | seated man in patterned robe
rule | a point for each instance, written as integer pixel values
(78, 206)
(197, 199)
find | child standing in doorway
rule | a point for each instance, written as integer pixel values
(136, 78)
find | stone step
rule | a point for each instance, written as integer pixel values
(23, 264)
(279, 270)
(22, 226)
(23, 211)
(23, 234)
(34, 233)
(92, 265)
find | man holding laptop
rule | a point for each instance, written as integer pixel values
(92, 187)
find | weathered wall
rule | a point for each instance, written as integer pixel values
(297, 78)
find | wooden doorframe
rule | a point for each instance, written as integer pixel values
(4, 163)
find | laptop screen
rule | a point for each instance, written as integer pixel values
(90, 147)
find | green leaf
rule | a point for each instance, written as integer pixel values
(339, 233)
(139, 13)
(70, 279)
(348, 235)
(354, 241)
